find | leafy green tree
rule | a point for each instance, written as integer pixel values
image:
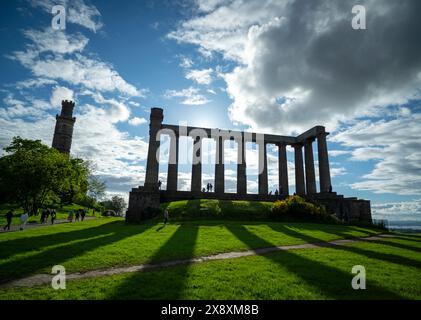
(96, 188)
(33, 174)
(116, 203)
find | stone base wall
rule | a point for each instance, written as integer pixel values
(351, 210)
(144, 203)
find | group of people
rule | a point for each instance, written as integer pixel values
(209, 187)
(79, 215)
(46, 213)
(9, 216)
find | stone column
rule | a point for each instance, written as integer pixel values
(219, 166)
(196, 172)
(263, 169)
(241, 167)
(283, 169)
(299, 170)
(172, 176)
(309, 164)
(324, 171)
(152, 164)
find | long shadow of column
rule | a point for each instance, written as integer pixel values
(389, 257)
(94, 238)
(29, 243)
(150, 284)
(332, 282)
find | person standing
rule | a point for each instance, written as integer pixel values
(77, 215)
(82, 214)
(166, 216)
(53, 216)
(9, 217)
(23, 220)
(70, 216)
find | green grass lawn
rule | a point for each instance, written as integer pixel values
(61, 213)
(393, 265)
(108, 242)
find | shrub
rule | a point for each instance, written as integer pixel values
(295, 208)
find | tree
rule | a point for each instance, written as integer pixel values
(96, 187)
(33, 174)
(76, 184)
(116, 203)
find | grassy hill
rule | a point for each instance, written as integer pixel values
(392, 264)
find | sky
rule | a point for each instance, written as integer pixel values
(267, 66)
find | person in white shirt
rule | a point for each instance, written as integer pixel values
(166, 216)
(23, 220)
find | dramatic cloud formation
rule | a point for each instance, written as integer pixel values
(303, 58)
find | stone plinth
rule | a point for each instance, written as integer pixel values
(143, 204)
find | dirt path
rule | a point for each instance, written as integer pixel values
(40, 279)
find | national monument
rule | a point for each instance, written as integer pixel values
(144, 200)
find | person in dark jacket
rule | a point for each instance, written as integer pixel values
(9, 217)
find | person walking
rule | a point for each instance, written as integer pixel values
(53, 216)
(77, 215)
(43, 214)
(82, 214)
(23, 220)
(9, 217)
(166, 216)
(70, 216)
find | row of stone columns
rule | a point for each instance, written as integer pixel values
(305, 181)
(305, 178)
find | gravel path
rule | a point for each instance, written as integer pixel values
(41, 279)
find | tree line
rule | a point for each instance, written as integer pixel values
(34, 176)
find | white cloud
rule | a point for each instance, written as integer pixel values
(398, 211)
(135, 121)
(191, 96)
(67, 64)
(56, 41)
(59, 94)
(200, 76)
(77, 12)
(34, 83)
(186, 62)
(394, 145)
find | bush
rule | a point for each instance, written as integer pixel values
(295, 208)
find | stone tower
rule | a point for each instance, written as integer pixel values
(63, 132)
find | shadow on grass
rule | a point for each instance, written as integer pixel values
(86, 240)
(392, 258)
(332, 282)
(167, 285)
(27, 243)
